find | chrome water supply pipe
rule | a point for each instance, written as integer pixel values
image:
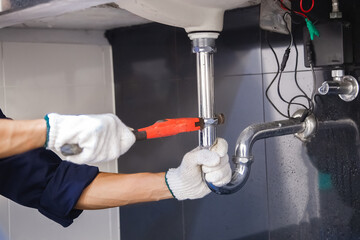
(346, 87)
(335, 14)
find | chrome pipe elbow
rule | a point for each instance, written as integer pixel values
(243, 150)
(239, 177)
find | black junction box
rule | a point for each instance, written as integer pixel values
(332, 48)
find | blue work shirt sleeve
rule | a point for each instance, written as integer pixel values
(40, 179)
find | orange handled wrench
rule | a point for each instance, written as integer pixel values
(169, 127)
(162, 128)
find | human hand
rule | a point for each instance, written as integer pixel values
(102, 137)
(186, 181)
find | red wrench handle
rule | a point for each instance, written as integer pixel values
(169, 127)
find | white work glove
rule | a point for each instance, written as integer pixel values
(186, 182)
(102, 137)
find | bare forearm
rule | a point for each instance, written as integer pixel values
(20, 136)
(113, 190)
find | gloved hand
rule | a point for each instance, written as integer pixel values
(102, 137)
(186, 182)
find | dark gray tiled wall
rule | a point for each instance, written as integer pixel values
(285, 198)
(155, 78)
(218, 217)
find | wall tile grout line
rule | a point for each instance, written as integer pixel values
(234, 75)
(178, 113)
(251, 74)
(265, 155)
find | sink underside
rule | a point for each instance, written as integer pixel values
(192, 15)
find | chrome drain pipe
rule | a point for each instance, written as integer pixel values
(203, 44)
(243, 158)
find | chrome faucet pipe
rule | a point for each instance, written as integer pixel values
(346, 87)
(335, 87)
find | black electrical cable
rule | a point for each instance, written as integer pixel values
(283, 65)
(296, 60)
(296, 69)
(311, 106)
(288, 29)
(289, 102)
(273, 80)
(293, 99)
(279, 72)
(311, 101)
(278, 89)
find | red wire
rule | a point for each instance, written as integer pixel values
(282, 5)
(299, 13)
(306, 11)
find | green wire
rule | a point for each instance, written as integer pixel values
(312, 29)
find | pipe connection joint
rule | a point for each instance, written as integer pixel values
(203, 42)
(206, 45)
(310, 126)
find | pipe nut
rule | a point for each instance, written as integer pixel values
(310, 126)
(309, 130)
(335, 15)
(337, 74)
(207, 49)
(203, 45)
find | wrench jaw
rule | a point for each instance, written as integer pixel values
(217, 120)
(207, 134)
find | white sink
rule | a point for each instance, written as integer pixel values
(192, 15)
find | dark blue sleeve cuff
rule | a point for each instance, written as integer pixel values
(40, 179)
(62, 192)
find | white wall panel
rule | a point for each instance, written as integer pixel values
(53, 65)
(69, 79)
(4, 218)
(4, 203)
(29, 224)
(1, 68)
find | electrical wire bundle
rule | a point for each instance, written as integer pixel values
(280, 68)
(311, 27)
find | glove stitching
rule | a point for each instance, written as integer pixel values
(167, 184)
(47, 131)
